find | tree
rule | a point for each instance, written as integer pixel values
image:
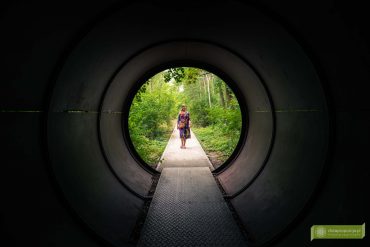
(229, 95)
(212, 104)
(207, 77)
(177, 74)
(219, 84)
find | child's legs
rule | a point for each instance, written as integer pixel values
(181, 136)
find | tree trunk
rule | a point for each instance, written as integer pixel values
(228, 94)
(205, 88)
(222, 99)
(200, 89)
(208, 91)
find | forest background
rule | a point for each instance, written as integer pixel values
(214, 112)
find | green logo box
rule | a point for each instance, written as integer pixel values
(337, 231)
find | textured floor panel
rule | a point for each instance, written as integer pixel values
(188, 210)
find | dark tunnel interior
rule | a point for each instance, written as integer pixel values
(301, 73)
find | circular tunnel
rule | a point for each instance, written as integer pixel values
(279, 159)
(182, 62)
(283, 162)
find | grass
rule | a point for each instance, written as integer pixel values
(151, 149)
(217, 144)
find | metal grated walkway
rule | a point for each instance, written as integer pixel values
(188, 208)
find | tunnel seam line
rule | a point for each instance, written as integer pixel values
(119, 112)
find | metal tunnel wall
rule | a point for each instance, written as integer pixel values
(70, 177)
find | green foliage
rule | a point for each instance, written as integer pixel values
(191, 75)
(215, 139)
(150, 118)
(150, 150)
(174, 73)
(199, 111)
(218, 129)
(214, 111)
(228, 119)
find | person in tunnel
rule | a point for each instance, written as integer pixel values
(183, 125)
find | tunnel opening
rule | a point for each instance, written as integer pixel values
(213, 108)
(69, 56)
(106, 146)
(127, 174)
(147, 83)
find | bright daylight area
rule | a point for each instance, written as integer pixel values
(212, 108)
